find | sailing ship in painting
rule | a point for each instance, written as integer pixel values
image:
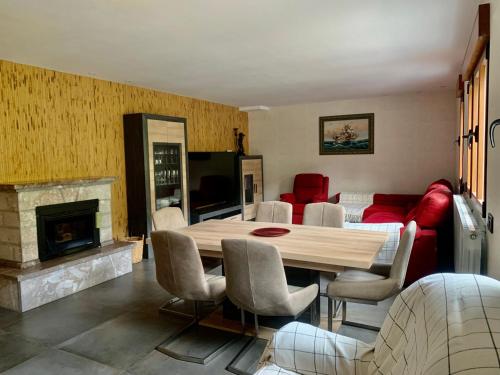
(344, 137)
(347, 133)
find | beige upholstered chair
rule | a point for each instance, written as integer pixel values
(371, 287)
(179, 269)
(274, 212)
(169, 218)
(256, 281)
(180, 272)
(324, 215)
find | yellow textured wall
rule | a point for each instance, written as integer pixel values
(56, 126)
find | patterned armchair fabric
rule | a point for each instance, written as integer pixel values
(441, 324)
(388, 251)
(355, 205)
(305, 349)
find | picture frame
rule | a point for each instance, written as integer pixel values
(347, 134)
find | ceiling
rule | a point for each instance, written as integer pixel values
(258, 52)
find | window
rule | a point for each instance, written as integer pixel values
(473, 125)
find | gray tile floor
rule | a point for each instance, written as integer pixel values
(112, 328)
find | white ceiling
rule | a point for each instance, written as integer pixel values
(253, 52)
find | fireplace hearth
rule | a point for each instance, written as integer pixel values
(66, 228)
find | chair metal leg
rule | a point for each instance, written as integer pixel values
(165, 309)
(330, 315)
(197, 337)
(314, 312)
(247, 360)
(333, 310)
(336, 308)
(196, 311)
(355, 324)
(253, 348)
(256, 322)
(242, 320)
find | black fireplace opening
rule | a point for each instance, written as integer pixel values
(66, 228)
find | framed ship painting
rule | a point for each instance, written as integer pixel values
(346, 134)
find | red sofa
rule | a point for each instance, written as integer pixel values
(307, 188)
(432, 212)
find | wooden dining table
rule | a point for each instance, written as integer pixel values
(305, 250)
(307, 247)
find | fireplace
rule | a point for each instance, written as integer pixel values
(42, 220)
(66, 228)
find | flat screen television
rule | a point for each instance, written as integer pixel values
(213, 180)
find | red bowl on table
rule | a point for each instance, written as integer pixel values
(270, 232)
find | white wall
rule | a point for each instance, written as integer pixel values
(493, 183)
(413, 144)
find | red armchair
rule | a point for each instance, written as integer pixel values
(307, 188)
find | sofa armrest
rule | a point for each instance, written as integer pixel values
(309, 341)
(288, 197)
(424, 257)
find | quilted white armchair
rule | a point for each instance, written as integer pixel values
(441, 324)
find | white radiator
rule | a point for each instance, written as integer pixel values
(468, 238)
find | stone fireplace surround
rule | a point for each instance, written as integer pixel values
(18, 235)
(26, 283)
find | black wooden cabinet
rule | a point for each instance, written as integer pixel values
(156, 169)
